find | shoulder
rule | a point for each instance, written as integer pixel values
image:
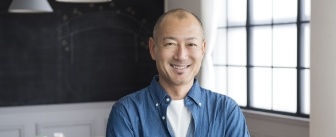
(217, 96)
(218, 99)
(131, 100)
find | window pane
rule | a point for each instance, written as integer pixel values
(237, 46)
(305, 91)
(222, 13)
(284, 45)
(261, 11)
(237, 84)
(219, 52)
(221, 83)
(284, 11)
(284, 90)
(305, 10)
(261, 46)
(261, 88)
(237, 12)
(305, 50)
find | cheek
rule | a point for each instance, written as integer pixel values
(198, 55)
(165, 55)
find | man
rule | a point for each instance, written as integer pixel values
(174, 104)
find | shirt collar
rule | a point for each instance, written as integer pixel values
(195, 92)
(159, 94)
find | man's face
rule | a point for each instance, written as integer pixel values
(178, 50)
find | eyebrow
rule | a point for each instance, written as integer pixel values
(172, 38)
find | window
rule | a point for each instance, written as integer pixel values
(262, 56)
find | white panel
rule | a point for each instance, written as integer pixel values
(261, 46)
(11, 131)
(237, 84)
(305, 91)
(261, 11)
(221, 79)
(305, 50)
(284, 45)
(284, 89)
(284, 11)
(68, 129)
(261, 93)
(237, 12)
(222, 13)
(237, 46)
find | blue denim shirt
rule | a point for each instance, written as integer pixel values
(143, 114)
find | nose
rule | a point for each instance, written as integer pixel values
(181, 52)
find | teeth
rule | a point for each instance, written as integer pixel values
(180, 67)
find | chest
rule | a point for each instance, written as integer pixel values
(153, 122)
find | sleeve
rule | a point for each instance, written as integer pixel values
(236, 123)
(118, 124)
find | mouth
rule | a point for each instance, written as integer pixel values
(180, 67)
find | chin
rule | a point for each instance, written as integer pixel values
(183, 80)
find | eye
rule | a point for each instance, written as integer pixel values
(169, 44)
(192, 44)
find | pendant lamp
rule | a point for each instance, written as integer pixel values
(30, 6)
(84, 1)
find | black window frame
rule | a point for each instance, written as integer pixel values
(299, 66)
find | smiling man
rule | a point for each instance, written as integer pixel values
(174, 104)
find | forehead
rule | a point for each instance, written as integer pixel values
(180, 17)
(186, 26)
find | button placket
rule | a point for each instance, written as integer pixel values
(166, 105)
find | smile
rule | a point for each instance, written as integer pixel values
(180, 67)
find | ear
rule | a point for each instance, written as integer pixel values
(204, 47)
(151, 45)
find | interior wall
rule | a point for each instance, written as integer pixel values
(71, 120)
(323, 74)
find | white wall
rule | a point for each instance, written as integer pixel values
(73, 120)
(323, 68)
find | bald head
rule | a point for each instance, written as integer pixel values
(179, 14)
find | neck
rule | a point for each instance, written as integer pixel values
(177, 92)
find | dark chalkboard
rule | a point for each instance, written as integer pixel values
(78, 53)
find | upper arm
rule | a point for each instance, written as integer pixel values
(119, 124)
(236, 123)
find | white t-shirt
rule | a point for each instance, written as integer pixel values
(179, 117)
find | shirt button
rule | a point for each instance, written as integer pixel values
(199, 104)
(157, 104)
(167, 99)
(163, 117)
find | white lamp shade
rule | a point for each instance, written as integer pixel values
(84, 1)
(30, 6)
